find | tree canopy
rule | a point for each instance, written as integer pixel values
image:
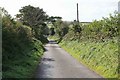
(35, 18)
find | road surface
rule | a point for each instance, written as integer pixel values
(57, 63)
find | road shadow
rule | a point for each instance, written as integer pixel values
(52, 42)
(44, 68)
(45, 49)
(48, 59)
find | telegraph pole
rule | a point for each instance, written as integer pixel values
(77, 26)
(119, 7)
(77, 14)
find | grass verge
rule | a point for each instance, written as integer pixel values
(102, 57)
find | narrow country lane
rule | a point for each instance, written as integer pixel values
(57, 63)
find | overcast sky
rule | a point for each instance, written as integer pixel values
(89, 10)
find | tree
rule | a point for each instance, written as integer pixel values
(61, 27)
(32, 16)
(35, 18)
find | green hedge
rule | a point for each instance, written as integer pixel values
(20, 50)
(24, 63)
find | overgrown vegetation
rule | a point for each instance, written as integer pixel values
(23, 41)
(97, 45)
(102, 57)
(101, 30)
(23, 62)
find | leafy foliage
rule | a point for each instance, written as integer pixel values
(35, 18)
(61, 27)
(32, 16)
(20, 50)
(101, 30)
(97, 46)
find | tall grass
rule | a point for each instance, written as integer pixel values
(102, 57)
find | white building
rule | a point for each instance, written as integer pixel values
(119, 6)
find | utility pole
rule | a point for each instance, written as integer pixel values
(119, 7)
(77, 14)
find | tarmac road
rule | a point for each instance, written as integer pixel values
(57, 63)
